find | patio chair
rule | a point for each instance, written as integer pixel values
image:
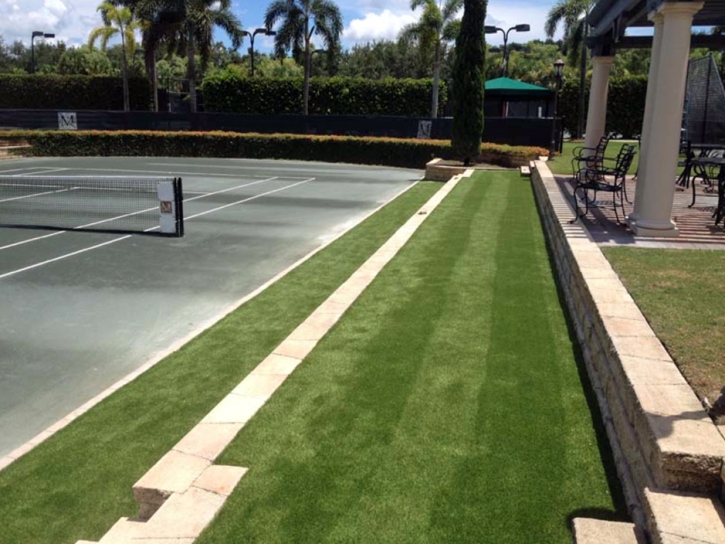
(602, 179)
(594, 159)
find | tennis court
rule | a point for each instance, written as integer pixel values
(80, 310)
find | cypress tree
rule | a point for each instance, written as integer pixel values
(468, 83)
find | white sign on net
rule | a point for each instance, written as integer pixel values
(424, 129)
(67, 121)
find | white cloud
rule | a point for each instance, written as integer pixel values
(70, 20)
(378, 26)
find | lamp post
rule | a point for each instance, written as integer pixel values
(36, 34)
(494, 29)
(251, 38)
(558, 71)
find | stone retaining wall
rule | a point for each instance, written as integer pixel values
(661, 436)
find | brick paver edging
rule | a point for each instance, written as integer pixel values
(182, 493)
(664, 442)
(158, 357)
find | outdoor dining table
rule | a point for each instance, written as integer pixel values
(692, 152)
(716, 162)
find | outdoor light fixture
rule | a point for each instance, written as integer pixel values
(36, 34)
(251, 35)
(493, 29)
(558, 72)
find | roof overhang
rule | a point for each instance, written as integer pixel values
(609, 19)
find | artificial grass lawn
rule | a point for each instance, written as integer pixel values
(562, 163)
(78, 483)
(447, 405)
(682, 294)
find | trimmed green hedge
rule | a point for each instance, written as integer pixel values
(625, 112)
(231, 93)
(52, 92)
(385, 151)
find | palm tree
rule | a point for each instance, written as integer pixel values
(186, 27)
(435, 27)
(301, 19)
(573, 15)
(117, 21)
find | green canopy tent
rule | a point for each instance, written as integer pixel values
(506, 97)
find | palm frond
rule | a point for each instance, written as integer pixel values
(451, 9)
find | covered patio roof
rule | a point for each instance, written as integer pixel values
(609, 20)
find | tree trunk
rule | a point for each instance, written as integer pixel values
(191, 72)
(583, 80)
(308, 58)
(436, 79)
(124, 62)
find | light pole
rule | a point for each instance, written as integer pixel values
(36, 34)
(494, 29)
(251, 38)
(558, 71)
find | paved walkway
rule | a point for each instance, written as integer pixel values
(696, 224)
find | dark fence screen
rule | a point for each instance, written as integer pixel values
(704, 120)
(510, 130)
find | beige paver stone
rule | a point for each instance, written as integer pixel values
(277, 364)
(234, 409)
(592, 259)
(184, 515)
(651, 371)
(626, 310)
(295, 349)
(208, 440)
(608, 290)
(173, 473)
(687, 515)
(86, 542)
(641, 346)
(163, 541)
(315, 326)
(597, 531)
(260, 385)
(618, 326)
(332, 307)
(122, 532)
(220, 479)
(599, 273)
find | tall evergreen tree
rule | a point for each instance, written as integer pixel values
(468, 82)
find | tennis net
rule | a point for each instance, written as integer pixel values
(106, 204)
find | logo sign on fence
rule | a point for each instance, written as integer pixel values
(67, 121)
(424, 129)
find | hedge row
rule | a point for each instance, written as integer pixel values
(231, 93)
(71, 92)
(625, 107)
(383, 151)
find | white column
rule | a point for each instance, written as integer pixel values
(597, 115)
(658, 193)
(644, 155)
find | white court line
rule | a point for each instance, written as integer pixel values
(203, 195)
(213, 167)
(42, 173)
(197, 174)
(67, 255)
(24, 168)
(34, 194)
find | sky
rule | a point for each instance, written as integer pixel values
(365, 20)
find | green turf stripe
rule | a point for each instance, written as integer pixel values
(78, 483)
(445, 406)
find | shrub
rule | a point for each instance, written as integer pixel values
(71, 92)
(384, 151)
(229, 92)
(626, 101)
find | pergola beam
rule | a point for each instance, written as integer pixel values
(705, 41)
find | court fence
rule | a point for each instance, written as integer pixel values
(509, 130)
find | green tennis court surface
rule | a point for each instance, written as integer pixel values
(80, 310)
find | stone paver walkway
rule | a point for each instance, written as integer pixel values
(182, 493)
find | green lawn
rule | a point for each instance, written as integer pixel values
(562, 164)
(682, 294)
(78, 483)
(447, 405)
